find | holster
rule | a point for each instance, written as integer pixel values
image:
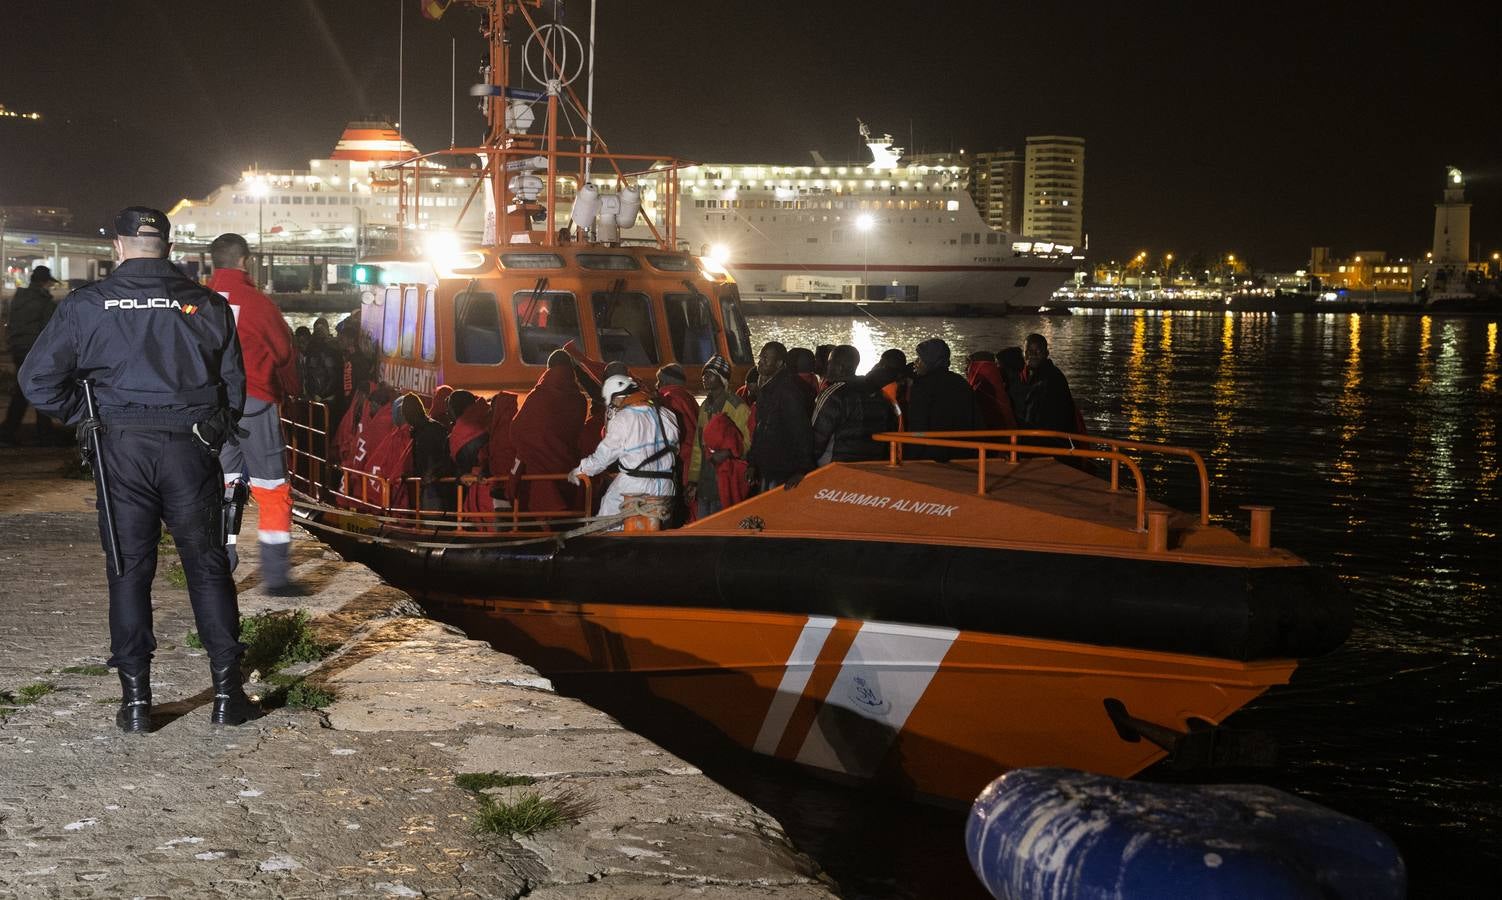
(236, 494)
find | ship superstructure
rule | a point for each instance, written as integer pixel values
(350, 197)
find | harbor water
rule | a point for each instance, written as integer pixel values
(1376, 440)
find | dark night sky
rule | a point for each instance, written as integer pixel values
(1256, 128)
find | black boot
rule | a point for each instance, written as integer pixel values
(134, 716)
(231, 706)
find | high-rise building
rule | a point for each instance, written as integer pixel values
(996, 181)
(1054, 189)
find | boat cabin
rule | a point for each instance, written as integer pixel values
(490, 326)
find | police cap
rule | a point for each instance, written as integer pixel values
(142, 221)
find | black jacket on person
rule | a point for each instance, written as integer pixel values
(846, 414)
(322, 369)
(1042, 400)
(30, 310)
(940, 401)
(783, 444)
(160, 348)
(431, 461)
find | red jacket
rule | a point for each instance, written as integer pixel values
(990, 395)
(265, 339)
(545, 433)
(681, 401)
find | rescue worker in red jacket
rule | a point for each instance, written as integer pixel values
(270, 378)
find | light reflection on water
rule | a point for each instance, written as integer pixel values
(1376, 440)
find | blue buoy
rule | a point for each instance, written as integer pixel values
(1060, 834)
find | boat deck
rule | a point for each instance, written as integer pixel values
(1035, 504)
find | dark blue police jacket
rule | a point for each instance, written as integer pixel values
(160, 348)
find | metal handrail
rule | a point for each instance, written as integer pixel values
(1114, 443)
(463, 482)
(370, 482)
(982, 447)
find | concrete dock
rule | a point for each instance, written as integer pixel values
(357, 798)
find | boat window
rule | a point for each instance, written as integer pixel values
(392, 324)
(429, 327)
(409, 321)
(672, 263)
(545, 321)
(691, 327)
(620, 261)
(477, 329)
(737, 335)
(624, 324)
(531, 261)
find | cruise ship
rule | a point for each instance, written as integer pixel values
(347, 199)
(878, 229)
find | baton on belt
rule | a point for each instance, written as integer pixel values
(94, 455)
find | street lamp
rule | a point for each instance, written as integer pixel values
(865, 223)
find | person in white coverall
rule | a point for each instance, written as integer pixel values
(642, 437)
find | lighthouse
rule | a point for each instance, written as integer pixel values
(1452, 222)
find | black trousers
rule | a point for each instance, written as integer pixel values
(159, 476)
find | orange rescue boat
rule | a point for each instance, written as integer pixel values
(927, 624)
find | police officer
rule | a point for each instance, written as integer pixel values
(170, 386)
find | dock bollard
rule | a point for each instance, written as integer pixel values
(1262, 526)
(1061, 834)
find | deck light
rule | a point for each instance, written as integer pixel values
(443, 249)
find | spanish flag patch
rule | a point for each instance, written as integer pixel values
(189, 309)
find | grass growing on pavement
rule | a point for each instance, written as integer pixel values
(274, 640)
(279, 639)
(86, 670)
(31, 693)
(528, 814)
(479, 781)
(177, 576)
(24, 695)
(302, 695)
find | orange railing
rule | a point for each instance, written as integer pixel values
(311, 475)
(305, 439)
(1006, 442)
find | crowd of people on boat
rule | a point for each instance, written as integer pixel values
(673, 456)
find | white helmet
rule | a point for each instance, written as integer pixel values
(616, 385)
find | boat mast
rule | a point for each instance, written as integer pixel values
(589, 101)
